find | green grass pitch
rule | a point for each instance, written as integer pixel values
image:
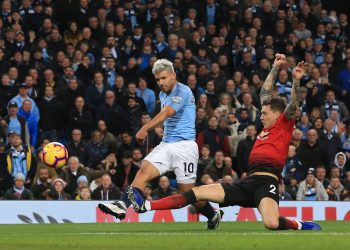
(168, 236)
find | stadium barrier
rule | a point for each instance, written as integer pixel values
(19, 212)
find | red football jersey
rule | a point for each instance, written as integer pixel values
(271, 145)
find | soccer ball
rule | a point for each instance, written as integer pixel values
(54, 155)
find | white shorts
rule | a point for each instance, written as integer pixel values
(180, 157)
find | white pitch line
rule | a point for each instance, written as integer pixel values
(180, 234)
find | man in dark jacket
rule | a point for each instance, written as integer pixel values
(77, 147)
(106, 191)
(311, 153)
(218, 169)
(126, 172)
(73, 171)
(244, 148)
(115, 117)
(51, 112)
(214, 137)
(41, 188)
(81, 118)
(97, 150)
(330, 140)
(163, 189)
(95, 93)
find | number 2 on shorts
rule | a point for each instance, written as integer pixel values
(273, 189)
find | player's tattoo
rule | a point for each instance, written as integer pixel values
(265, 93)
(292, 107)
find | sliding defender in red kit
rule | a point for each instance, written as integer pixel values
(260, 187)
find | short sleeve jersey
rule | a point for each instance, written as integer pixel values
(181, 126)
(271, 145)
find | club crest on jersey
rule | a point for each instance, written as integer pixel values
(263, 135)
(176, 99)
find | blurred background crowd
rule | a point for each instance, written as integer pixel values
(79, 72)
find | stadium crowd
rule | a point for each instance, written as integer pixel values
(80, 72)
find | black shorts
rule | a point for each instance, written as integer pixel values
(248, 192)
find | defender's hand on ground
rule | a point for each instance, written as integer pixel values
(300, 70)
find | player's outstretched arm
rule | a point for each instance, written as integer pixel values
(265, 93)
(164, 114)
(298, 73)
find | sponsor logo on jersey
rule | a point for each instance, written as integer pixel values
(263, 135)
(176, 99)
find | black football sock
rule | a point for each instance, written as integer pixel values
(207, 210)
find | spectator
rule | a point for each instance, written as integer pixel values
(321, 175)
(126, 172)
(32, 123)
(110, 72)
(127, 144)
(218, 169)
(334, 172)
(335, 190)
(343, 81)
(57, 192)
(84, 193)
(80, 117)
(340, 162)
(114, 116)
(42, 186)
(107, 137)
(106, 191)
(132, 93)
(147, 95)
(234, 177)
(49, 80)
(77, 147)
(236, 133)
(95, 93)
(96, 150)
(311, 153)
(283, 194)
(204, 161)
(82, 181)
(254, 113)
(73, 171)
(134, 113)
(311, 189)
(15, 123)
(304, 124)
(137, 157)
(18, 191)
(293, 165)
(214, 137)
(243, 150)
(51, 110)
(18, 159)
(332, 104)
(109, 163)
(164, 189)
(7, 92)
(330, 140)
(120, 91)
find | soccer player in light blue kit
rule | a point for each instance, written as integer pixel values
(178, 150)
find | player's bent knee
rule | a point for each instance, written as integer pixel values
(271, 224)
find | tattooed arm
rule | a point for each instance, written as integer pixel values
(265, 93)
(298, 72)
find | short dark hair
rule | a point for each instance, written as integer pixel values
(276, 104)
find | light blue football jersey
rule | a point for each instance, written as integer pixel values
(180, 126)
